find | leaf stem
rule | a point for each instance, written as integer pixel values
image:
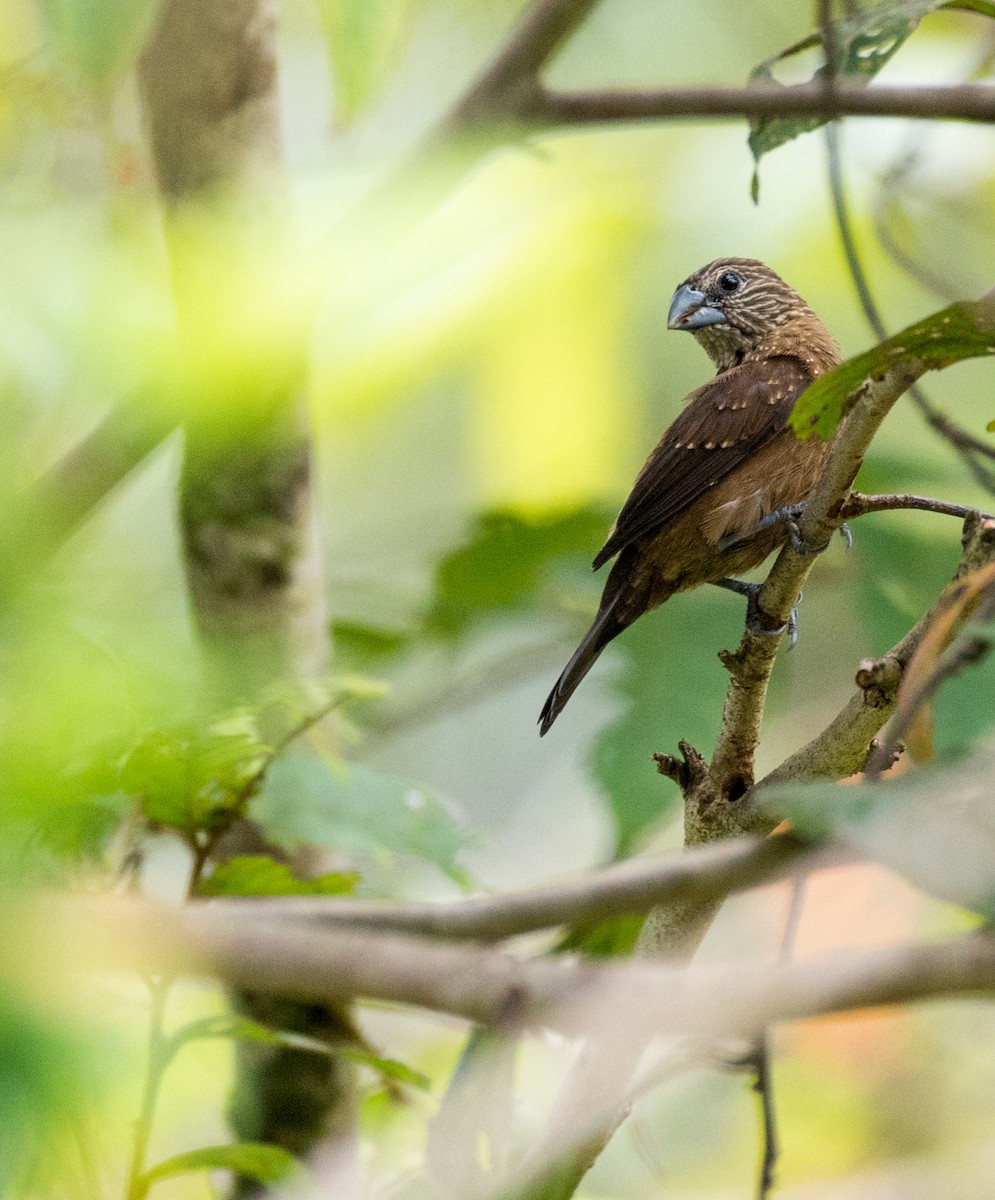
(158, 1057)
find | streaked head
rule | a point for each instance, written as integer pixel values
(731, 305)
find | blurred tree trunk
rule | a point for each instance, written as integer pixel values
(208, 81)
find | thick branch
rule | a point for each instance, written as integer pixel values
(493, 988)
(707, 873)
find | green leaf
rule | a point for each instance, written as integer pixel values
(193, 778)
(990, 426)
(246, 1030)
(864, 43)
(614, 938)
(961, 331)
(389, 1068)
(265, 1164)
(365, 40)
(259, 875)
(983, 7)
(934, 825)
(350, 808)
(101, 37)
(366, 645)
(510, 563)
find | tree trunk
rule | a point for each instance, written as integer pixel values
(208, 81)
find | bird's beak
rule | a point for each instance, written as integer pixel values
(688, 310)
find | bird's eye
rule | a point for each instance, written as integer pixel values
(730, 282)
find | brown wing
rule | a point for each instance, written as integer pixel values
(722, 424)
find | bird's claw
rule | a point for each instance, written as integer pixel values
(754, 614)
(789, 516)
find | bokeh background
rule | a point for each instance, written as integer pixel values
(483, 392)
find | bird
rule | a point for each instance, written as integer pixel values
(696, 513)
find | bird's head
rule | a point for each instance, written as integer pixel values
(731, 306)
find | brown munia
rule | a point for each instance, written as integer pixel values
(728, 461)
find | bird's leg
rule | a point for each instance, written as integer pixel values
(752, 591)
(789, 515)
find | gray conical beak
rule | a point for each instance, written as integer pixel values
(688, 310)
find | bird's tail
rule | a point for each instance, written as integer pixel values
(606, 626)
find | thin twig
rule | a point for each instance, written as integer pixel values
(965, 444)
(763, 1085)
(764, 1082)
(968, 102)
(858, 504)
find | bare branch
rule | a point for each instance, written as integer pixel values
(629, 887)
(493, 988)
(966, 102)
(858, 505)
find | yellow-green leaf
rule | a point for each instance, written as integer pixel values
(365, 40)
(100, 37)
(265, 1164)
(257, 875)
(961, 331)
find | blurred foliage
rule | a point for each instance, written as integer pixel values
(259, 875)
(346, 807)
(365, 40)
(863, 42)
(935, 825)
(511, 563)
(267, 1164)
(101, 38)
(484, 387)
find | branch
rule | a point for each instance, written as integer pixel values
(492, 988)
(707, 873)
(841, 748)
(858, 504)
(966, 102)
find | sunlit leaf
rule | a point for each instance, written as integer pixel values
(864, 43)
(258, 875)
(190, 777)
(961, 331)
(365, 40)
(350, 808)
(265, 1164)
(934, 825)
(101, 37)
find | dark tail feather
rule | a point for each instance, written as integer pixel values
(606, 626)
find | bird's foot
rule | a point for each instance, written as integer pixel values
(755, 615)
(789, 516)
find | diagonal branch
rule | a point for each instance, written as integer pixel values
(709, 872)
